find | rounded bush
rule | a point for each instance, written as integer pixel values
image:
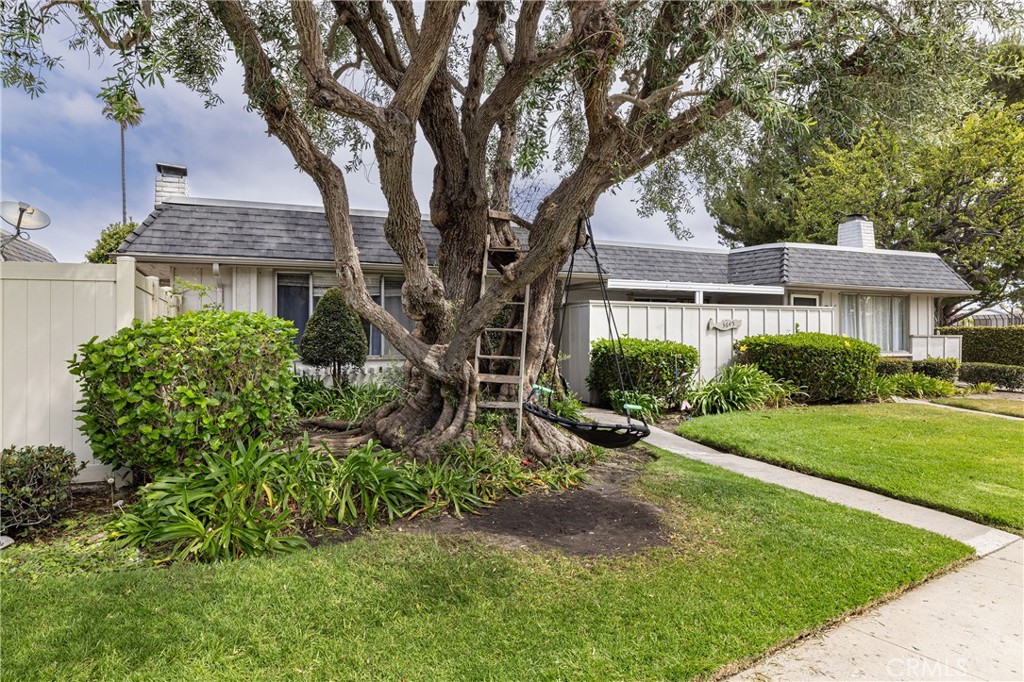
(334, 337)
(890, 366)
(827, 368)
(938, 368)
(35, 485)
(659, 368)
(155, 395)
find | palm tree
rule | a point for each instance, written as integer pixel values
(124, 108)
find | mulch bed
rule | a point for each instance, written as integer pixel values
(600, 519)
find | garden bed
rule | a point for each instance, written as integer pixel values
(738, 568)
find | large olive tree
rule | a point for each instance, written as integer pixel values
(598, 92)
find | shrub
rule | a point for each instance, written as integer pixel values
(225, 506)
(651, 406)
(890, 366)
(35, 485)
(355, 402)
(994, 345)
(939, 368)
(334, 337)
(157, 394)
(661, 368)
(311, 397)
(983, 387)
(917, 385)
(1007, 376)
(828, 368)
(882, 387)
(740, 387)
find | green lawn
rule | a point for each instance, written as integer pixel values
(1012, 408)
(968, 464)
(750, 565)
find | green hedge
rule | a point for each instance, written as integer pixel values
(891, 366)
(1006, 376)
(827, 368)
(998, 345)
(157, 394)
(938, 368)
(35, 485)
(659, 368)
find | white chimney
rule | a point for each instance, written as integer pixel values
(171, 181)
(857, 231)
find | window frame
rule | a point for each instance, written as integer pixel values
(277, 294)
(813, 297)
(904, 334)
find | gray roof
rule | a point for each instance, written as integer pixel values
(24, 250)
(215, 229)
(815, 264)
(664, 264)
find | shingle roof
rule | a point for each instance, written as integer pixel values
(23, 250)
(811, 264)
(665, 264)
(247, 230)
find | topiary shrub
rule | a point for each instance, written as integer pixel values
(334, 337)
(998, 345)
(1007, 376)
(156, 394)
(889, 366)
(661, 368)
(35, 485)
(827, 368)
(938, 368)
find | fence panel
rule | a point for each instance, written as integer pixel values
(48, 310)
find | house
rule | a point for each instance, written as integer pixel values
(277, 258)
(19, 249)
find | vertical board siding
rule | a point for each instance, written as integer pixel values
(686, 323)
(47, 310)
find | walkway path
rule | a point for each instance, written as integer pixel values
(915, 401)
(965, 625)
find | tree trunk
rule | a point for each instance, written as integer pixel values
(124, 183)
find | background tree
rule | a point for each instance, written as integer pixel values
(596, 92)
(960, 196)
(334, 337)
(110, 238)
(124, 108)
(753, 195)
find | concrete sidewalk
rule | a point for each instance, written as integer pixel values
(965, 625)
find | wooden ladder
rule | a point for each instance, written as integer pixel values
(516, 379)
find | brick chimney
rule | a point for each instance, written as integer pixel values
(171, 181)
(857, 231)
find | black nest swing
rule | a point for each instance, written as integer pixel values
(605, 435)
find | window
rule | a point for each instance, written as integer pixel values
(294, 301)
(808, 300)
(881, 320)
(298, 294)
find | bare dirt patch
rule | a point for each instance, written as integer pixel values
(600, 519)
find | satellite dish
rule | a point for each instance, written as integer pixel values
(22, 216)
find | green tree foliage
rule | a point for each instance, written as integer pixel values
(110, 238)
(960, 195)
(334, 337)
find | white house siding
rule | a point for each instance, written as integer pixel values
(48, 310)
(689, 324)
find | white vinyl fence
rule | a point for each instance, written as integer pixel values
(46, 311)
(922, 347)
(711, 329)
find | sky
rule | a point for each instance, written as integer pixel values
(58, 153)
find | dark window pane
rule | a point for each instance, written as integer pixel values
(293, 300)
